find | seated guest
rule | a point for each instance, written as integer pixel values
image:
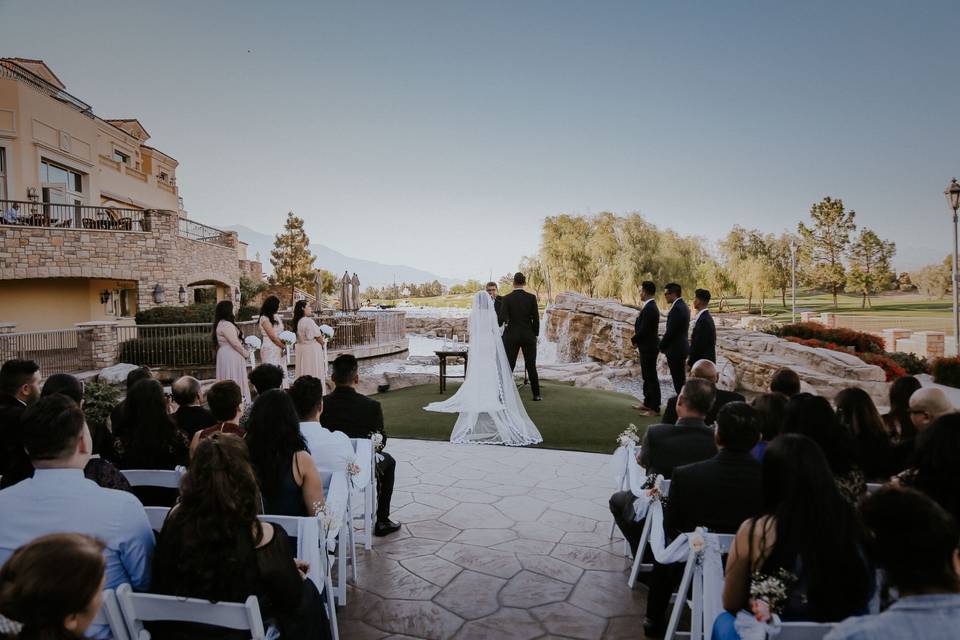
(914, 541)
(19, 388)
(58, 498)
(287, 475)
(347, 410)
(770, 408)
(813, 417)
(785, 381)
(859, 416)
(12, 214)
(719, 494)
(117, 415)
(52, 587)
(262, 378)
(72, 387)
(330, 449)
(807, 529)
(935, 470)
(191, 416)
(899, 425)
(212, 546)
(928, 404)
(704, 370)
(225, 399)
(666, 446)
(99, 470)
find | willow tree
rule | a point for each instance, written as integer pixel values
(291, 257)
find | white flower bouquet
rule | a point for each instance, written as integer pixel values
(254, 342)
(287, 337)
(323, 514)
(376, 438)
(353, 469)
(629, 437)
(327, 331)
(768, 593)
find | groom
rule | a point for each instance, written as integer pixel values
(519, 311)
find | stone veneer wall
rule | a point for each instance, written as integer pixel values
(434, 327)
(157, 256)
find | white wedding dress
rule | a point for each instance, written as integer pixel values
(487, 401)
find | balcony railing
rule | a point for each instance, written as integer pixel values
(57, 351)
(13, 71)
(71, 216)
(203, 233)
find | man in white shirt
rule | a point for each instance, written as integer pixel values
(12, 213)
(58, 499)
(330, 449)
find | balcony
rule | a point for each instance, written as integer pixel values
(72, 216)
(192, 230)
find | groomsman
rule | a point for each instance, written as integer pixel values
(703, 338)
(494, 292)
(646, 340)
(675, 344)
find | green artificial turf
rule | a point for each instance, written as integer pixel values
(568, 417)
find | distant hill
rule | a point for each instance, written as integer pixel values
(371, 273)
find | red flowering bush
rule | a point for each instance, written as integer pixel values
(890, 367)
(946, 371)
(860, 341)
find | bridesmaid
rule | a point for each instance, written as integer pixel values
(231, 353)
(311, 344)
(270, 327)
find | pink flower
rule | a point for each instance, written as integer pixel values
(353, 469)
(761, 610)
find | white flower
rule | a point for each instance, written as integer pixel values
(321, 512)
(376, 438)
(327, 330)
(353, 469)
(287, 337)
(697, 542)
(253, 342)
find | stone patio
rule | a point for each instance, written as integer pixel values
(497, 542)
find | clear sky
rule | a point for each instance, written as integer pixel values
(440, 133)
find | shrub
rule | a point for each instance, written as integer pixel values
(889, 365)
(200, 312)
(172, 351)
(860, 341)
(946, 371)
(911, 363)
(99, 399)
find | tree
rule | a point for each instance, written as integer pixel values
(532, 267)
(603, 246)
(870, 265)
(781, 267)
(823, 245)
(933, 281)
(748, 261)
(250, 289)
(291, 258)
(715, 278)
(328, 281)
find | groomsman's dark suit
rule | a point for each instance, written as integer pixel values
(703, 339)
(646, 340)
(519, 311)
(675, 344)
(498, 309)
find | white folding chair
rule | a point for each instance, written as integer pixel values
(873, 486)
(369, 493)
(638, 564)
(138, 608)
(164, 478)
(110, 616)
(156, 516)
(804, 630)
(336, 488)
(313, 551)
(693, 576)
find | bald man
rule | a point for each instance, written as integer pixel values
(704, 370)
(928, 404)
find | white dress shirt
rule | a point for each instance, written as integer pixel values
(330, 449)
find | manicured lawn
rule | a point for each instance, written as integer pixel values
(568, 418)
(886, 304)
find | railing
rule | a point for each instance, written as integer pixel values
(71, 216)
(203, 233)
(13, 71)
(876, 324)
(58, 351)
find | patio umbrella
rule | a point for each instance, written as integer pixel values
(345, 292)
(356, 293)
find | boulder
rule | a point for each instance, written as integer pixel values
(117, 374)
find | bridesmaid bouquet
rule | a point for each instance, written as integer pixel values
(287, 337)
(254, 343)
(328, 331)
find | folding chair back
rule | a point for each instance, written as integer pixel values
(109, 615)
(638, 564)
(873, 486)
(804, 630)
(164, 478)
(138, 608)
(156, 516)
(364, 446)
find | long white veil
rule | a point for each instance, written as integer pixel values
(487, 401)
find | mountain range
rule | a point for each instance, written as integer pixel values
(371, 273)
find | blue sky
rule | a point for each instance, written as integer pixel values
(439, 134)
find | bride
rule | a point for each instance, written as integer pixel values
(487, 401)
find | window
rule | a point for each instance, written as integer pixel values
(121, 157)
(123, 303)
(61, 184)
(163, 176)
(3, 174)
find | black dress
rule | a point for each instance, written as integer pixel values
(173, 453)
(292, 603)
(286, 497)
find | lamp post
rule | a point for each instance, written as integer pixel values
(953, 201)
(793, 280)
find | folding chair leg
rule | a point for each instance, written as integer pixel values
(331, 607)
(696, 609)
(681, 598)
(638, 558)
(342, 570)
(368, 517)
(352, 549)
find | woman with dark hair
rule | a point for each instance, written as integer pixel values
(271, 352)
(212, 546)
(153, 440)
(898, 421)
(311, 344)
(288, 478)
(813, 417)
(231, 354)
(935, 469)
(770, 410)
(859, 416)
(51, 588)
(806, 529)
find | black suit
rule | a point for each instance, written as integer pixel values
(719, 494)
(646, 340)
(703, 339)
(191, 419)
(519, 311)
(723, 397)
(675, 343)
(498, 309)
(12, 455)
(358, 416)
(665, 446)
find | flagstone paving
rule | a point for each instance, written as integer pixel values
(497, 542)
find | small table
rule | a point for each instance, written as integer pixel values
(443, 355)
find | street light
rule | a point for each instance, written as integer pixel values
(793, 280)
(953, 201)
